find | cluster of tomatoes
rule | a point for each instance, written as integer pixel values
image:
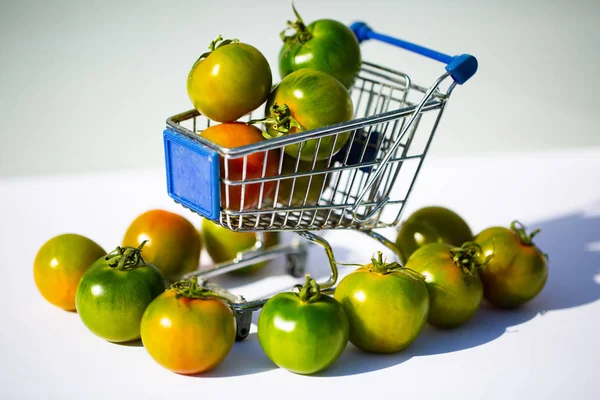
(446, 275)
(318, 63)
(122, 296)
(125, 295)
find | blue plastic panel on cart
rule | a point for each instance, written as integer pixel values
(192, 174)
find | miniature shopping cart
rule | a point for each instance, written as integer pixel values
(362, 187)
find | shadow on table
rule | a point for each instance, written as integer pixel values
(245, 358)
(133, 343)
(574, 262)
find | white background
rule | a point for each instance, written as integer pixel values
(87, 85)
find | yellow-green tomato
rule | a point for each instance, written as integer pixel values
(517, 271)
(230, 81)
(431, 225)
(188, 335)
(302, 336)
(387, 308)
(222, 244)
(172, 242)
(455, 292)
(59, 265)
(313, 99)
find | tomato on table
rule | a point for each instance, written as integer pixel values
(387, 305)
(325, 45)
(59, 265)
(308, 99)
(431, 225)
(303, 332)
(114, 293)
(172, 242)
(518, 269)
(229, 81)
(222, 245)
(188, 329)
(452, 279)
(238, 134)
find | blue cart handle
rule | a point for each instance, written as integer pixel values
(461, 67)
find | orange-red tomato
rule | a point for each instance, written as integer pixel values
(59, 265)
(188, 335)
(238, 134)
(173, 243)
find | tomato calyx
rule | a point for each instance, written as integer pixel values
(215, 44)
(309, 292)
(526, 239)
(280, 119)
(380, 266)
(301, 34)
(521, 231)
(126, 258)
(469, 257)
(190, 289)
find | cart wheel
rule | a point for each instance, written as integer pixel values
(295, 264)
(243, 320)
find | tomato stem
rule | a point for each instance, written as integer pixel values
(521, 231)
(125, 258)
(215, 44)
(301, 34)
(190, 289)
(280, 119)
(469, 257)
(310, 292)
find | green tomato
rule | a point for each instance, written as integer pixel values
(304, 335)
(387, 306)
(302, 187)
(431, 225)
(455, 292)
(304, 100)
(325, 45)
(114, 293)
(517, 271)
(222, 245)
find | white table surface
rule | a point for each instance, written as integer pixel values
(548, 349)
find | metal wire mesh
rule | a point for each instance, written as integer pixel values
(264, 188)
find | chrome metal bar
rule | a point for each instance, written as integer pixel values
(329, 251)
(390, 153)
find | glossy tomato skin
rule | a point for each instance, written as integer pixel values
(111, 302)
(235, 135)
(222, 244)
(516, 273)
(173, 243)
(293, 192)
(431, 225)
(333, 48)
(302, 337)
(188, 336)
(454, 294)
(59, 265)
(387, 312)
(315, 99)
(230, 82)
